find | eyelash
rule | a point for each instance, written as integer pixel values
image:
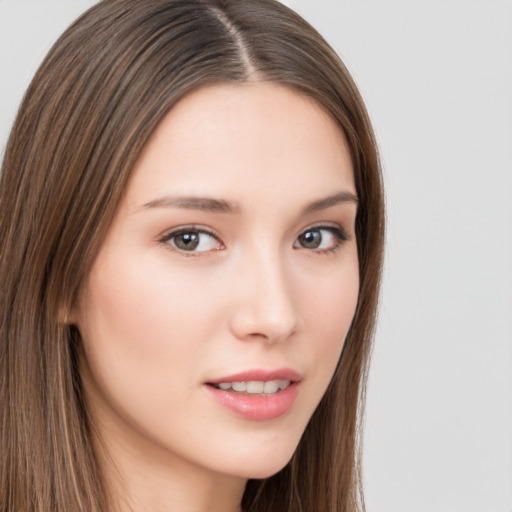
(339, 234)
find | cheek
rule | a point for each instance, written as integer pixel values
(144, 347)
(140, 325)
(328, 303)
(142, 295)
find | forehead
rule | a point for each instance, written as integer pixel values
(243, 141)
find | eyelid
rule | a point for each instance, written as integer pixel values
(330, 226)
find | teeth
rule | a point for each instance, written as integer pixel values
(255, 387)
(283, 384)
(271, 386)
(239, 386)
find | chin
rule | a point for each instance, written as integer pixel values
(264, 463)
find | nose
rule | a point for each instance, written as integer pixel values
(265, 307)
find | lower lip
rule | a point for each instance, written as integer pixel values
(256, 407)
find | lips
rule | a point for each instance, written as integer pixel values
(256, 395)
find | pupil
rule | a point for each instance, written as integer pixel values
(187, 241)
(311, 239)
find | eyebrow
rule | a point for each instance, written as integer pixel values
(206, 204)
(327, 202)
(212, 205)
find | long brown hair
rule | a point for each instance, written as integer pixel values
(91, 108)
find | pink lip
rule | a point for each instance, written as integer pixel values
(260, 375)
(257, 407)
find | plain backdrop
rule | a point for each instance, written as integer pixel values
(437, 80)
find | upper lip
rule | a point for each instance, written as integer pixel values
(260, 375)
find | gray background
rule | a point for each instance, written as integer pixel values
(437, 79)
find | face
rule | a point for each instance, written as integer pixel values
(217, 307)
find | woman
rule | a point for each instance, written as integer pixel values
(192, 224)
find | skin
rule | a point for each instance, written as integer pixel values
(158, 321)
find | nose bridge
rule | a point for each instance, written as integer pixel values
(266, 307)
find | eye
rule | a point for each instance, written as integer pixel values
(193, 240)
(322, 239)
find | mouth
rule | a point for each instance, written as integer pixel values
(257, 395)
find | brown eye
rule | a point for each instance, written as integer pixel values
(321, 239)
(193, 241)
(186, 241)
(311, 239)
